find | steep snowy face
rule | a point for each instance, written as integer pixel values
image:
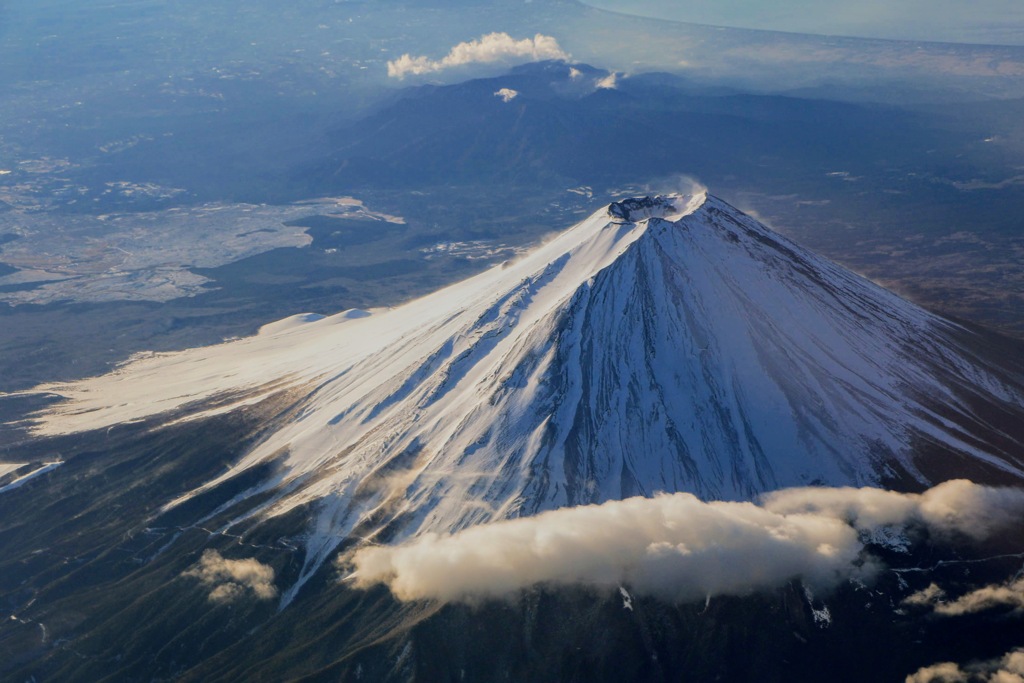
(663, 344)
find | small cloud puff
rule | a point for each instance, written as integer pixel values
(493, 47)
(678, 547)
(946, 672)
(925, 598)
(230, 580)
(609, 82)
(982, 599)
(506, 94)
(1007, 669)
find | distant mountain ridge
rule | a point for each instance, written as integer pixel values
(579, 124)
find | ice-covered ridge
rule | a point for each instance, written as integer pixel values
(26, 478)
(669, 344)
(306, 348)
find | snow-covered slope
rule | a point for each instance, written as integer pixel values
(663, 344)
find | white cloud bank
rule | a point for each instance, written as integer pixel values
(954, 507)
(229, 580)
(1008, 669)
(493, 47)
(678, 547)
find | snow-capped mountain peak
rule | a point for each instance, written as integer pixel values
(663, 344)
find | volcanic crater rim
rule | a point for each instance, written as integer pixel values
(669, 207)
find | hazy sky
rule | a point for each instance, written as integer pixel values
(974, 21)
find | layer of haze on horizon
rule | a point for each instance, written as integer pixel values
(997, 22)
